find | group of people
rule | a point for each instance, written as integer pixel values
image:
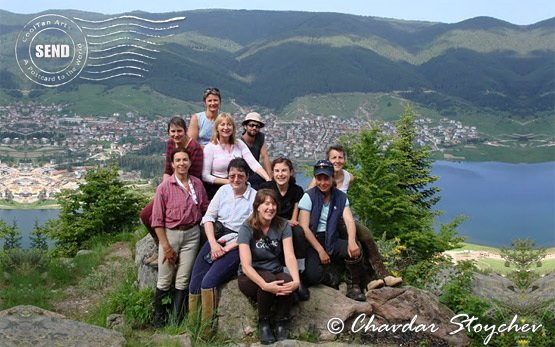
(257, 223)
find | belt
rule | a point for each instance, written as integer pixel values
(184, 226)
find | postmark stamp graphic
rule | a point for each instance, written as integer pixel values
(51, 50)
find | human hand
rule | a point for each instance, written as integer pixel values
(287, 288)
(324, 257)
(273, 287)
(293, 222)
(353, 250)
(217, 251)
(169, 255)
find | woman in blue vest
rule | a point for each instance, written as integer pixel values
(321, 209)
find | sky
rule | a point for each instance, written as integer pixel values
(521, 12)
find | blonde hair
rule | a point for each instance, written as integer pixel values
(224, 116)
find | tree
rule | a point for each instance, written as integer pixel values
(11, 235)
(523, 256)
(38, 237)
(103, 205)
(394, 192)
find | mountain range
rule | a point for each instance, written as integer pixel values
(269, 58)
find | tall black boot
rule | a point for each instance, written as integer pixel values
(180, 304)
(265, 331)
(160, 311)
(282, 329)
(330, 279)
(302, 292)
(353, 279)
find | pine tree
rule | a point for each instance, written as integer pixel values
(38, 238)
(394, 192)
(12, 236)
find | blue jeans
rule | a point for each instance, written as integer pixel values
(206, 276)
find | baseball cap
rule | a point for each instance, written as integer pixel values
(323, 167)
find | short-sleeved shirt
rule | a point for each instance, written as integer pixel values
(306, 205)
(287, 202)
(265, 252)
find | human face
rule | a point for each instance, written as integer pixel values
(324, 183)
(237, 179)
(212, 103)
(177, 133)
(337, 158)
(181, 163)
(225, 128)
(282, 174)
(267, 210)
(252, 128)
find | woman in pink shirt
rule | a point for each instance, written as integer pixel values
(179, 204)
(222, 148)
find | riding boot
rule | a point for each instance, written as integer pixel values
(302, 292)
(194, 305)
(353, 279)
(282, 329)
(180, 304)
(209, 302)
(160, 310)
(265, 331)
(329, 279)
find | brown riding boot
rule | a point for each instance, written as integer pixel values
(209, 302)
(353, 279)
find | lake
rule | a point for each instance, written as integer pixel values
(502, 202)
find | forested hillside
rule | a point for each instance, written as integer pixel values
(269, 58)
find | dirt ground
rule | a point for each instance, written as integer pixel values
(77, 301)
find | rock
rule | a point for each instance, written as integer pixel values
(496, 287)
(147, 275)
(115, 321)
(238, 316)
(401, 305)
(33, 326)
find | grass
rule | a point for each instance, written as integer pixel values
(498, 265)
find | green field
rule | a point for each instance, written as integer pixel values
(498, 265)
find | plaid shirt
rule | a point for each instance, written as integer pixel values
(197, 157)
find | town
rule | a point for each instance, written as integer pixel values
(35, 132)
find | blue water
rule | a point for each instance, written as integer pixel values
(25, 221)
(502, 202)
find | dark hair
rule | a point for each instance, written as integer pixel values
(178, 122)
(289, 163)
(211, 91)
(239, 164)
(337, 148)
(181, 150)
(254, 219)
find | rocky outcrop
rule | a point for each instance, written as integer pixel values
(33, 326)
(146, 275)
(496, 287)
(329, 309)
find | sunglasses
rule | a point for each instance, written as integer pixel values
(212, 90)
(323, 166)
(253, 125)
